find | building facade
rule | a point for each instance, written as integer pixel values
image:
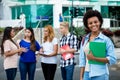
(40, 10)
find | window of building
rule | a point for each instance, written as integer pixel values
(113, 13)
(82, 10)
(32, 13)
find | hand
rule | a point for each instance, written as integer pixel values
(41, 51)
(44, 55)
(62, 51)
(22, 49)
(90, 56)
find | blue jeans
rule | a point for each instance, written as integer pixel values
(86, 76)
(101, 77)
(67, 72)
(27, 67)
(11, 73)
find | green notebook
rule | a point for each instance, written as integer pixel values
(99, 50)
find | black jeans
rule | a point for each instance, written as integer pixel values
(11, 73)
(49, 70)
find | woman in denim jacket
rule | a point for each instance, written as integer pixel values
(93, 22)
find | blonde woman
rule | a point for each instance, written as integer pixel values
(49, 55)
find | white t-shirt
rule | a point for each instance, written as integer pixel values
(48, 48)
(86, 50)
(10, 61)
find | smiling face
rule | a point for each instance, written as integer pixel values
(94, 24)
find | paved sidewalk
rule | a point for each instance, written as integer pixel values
(114, 69)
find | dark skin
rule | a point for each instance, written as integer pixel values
(94, 27)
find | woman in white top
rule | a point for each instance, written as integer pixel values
(49, 53)
(10, 52)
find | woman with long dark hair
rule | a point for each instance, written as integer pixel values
(10, 52)
(27, 63)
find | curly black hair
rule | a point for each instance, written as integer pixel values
(92, 13)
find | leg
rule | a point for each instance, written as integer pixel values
(23, 70)
(11, 73)
(31, 70)
(69, 72)
(51, 71)
(14, 73)
(44, 69)
(102, 77)
(63, 72)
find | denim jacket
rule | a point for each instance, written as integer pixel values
(95, 69)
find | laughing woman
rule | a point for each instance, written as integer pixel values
(93, 22)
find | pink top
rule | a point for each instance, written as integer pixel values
(11, 61)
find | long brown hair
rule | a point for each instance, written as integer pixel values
(7, 36)
(50, 32)
(32, 39)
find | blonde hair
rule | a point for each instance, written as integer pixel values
(50, 32)
(65, 24)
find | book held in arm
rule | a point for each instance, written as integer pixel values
(98, 49)
(65, 55)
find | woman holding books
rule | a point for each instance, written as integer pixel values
(94, 67)
(49, 53)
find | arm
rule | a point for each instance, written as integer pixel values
(8, 51)
(110, 54)
(52, 54)
(67, 51)
(55, 51)
(82, 62)
(70, 51)
(12, 52)
(74, 46)
(91, 57)
(82, 69)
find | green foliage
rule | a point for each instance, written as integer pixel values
(1, 29)
(78, 31)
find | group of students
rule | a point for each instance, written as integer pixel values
(26, 48)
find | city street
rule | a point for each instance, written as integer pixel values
(114, 70)
(60, 15)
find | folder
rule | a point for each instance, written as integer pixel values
(98, 50)
(66, 56)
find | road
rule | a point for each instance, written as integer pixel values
(114, 70)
